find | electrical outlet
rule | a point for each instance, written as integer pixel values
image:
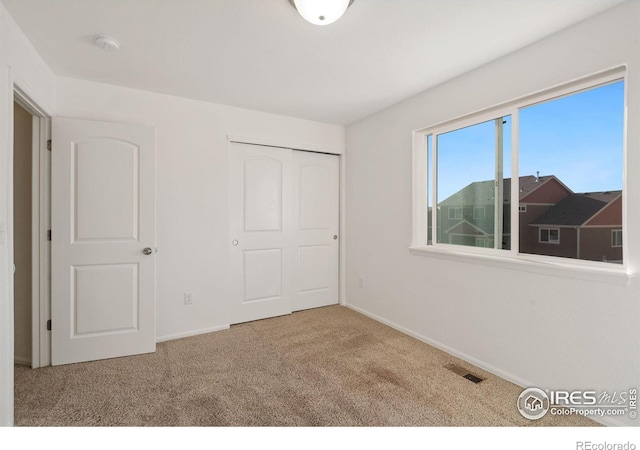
(188, 298)
(360, 282)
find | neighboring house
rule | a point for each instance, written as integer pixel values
(537, 195)
(582, 226)
(468, 215)
(553, 220)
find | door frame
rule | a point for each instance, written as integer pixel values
(309, 147)
(41, 223)
(9, 83)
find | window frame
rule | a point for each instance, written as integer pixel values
(423, 194)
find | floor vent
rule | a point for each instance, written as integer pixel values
(472, 377)
(464, 373)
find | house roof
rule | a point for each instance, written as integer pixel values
(481, 193)
(576, 209)
(467, 228)
(607, 196)
(529, 184)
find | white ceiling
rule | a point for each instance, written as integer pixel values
(260, 54)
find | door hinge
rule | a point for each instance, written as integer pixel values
(48, 235)
(49, 325)
(48, 144)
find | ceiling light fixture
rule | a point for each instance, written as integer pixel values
(321, 12)
(106, 42)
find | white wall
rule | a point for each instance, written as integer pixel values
(20, 64)
(192, 194)
(588, 335)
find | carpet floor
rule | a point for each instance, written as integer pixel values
(324, 367)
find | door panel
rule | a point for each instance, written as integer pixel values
(315, 223)
(105, 298)
(316, 261)
(103, 216)
(263, 273)
(262, 195)
(260, 226)
(94, 162)
(314, 193)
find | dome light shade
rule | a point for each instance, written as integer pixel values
(321, 12)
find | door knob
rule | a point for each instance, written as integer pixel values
(335, 237)
(234, 242)
(147, 251)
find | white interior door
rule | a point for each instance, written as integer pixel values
(316, 222)
(260, 226)
(103, 240)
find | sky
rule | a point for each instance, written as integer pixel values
(577, 138)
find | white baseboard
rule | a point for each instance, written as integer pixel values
(22, 360)
(170, 337)
(471, 360)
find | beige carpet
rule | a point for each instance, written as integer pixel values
(324, 367)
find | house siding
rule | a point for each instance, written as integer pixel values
(528, 234)
(551, 192)
(609, 215)
(595, 245)
(567, 248)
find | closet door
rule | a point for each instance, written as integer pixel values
(315, 224)
(260, 232)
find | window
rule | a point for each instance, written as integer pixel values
(563, 169)
(549, 236)
(616, 238)
(455, 213)
(476, 174)
(469, 184)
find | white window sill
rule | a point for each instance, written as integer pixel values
(549, 266)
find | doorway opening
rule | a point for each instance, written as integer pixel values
(31, 225)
